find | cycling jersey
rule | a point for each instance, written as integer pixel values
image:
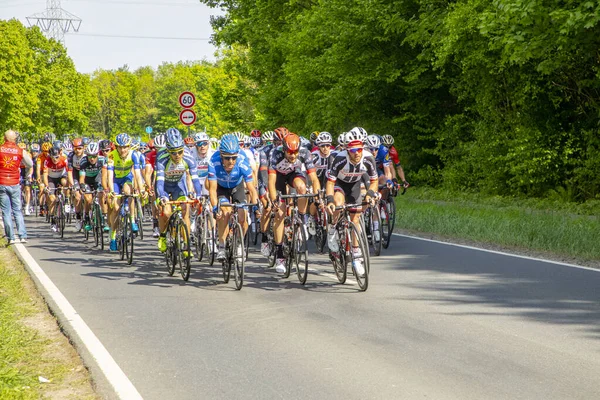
(322, 164)
(56, 169)
(305, 143)
(89, 170)
(342, 169)
(394, 155)
(250, 156)
(280, 164)
(382, 159)
(74, 163)
(171, 177)
(240, 172)
(151, 158)
(122, 167)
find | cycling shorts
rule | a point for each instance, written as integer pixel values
(351, 191)
(283, 181)
(233, 195)
(118, 183)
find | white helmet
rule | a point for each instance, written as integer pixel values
(200, 137)
(373, 141)
(160, 142)
(358, 133)
(342, 139)
(268, 136)
(239, 136)
(67, 146)
(92, 149)
(388, 140)
(247, 141)
(323, 138)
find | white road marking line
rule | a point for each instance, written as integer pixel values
(113, 373)
(498, 252)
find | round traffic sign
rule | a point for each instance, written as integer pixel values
(187, 99)
(187, 117)
(148, 130)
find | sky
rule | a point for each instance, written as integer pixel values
(147, 18)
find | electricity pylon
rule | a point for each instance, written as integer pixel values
(55, 21)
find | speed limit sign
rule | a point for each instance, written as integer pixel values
(187, 99)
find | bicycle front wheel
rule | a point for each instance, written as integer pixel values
(238, 256)
(128, 232)
(139, 217)
(376, 231)
(170, 252)
(386, 228)
(300, 253)
(211, 242)
(183, 250)
(60, 215)
(358, 256)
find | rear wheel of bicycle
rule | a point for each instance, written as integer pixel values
(183, 250)
(238, 259)
(392, 213)
(228, 260)
(170, 255)
(287, 250)
(211, 240)
(60, 218)
(353, 236)
(386, 228)
(121, 238)
(300, 253)
(338, 259)
(199, 234)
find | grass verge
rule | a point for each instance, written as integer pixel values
(560, 231)
(31, 344)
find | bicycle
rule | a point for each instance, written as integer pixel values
(321, 222)
(178, 241)
(59, 209)
(295, 242)
(387, 210)
(124, 231)
(139, 217)
(205, 232)
(234, 247)
(372, 228)
(97, 221)
(348, 233)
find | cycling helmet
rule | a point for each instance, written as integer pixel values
(291, 142)
(123, 140)
(57, 144)
(268, 136)
(135, 144)
(77, 142)
(54, 152)
(323, 138)
(313, 136)
(239, 136)
(373, 141)
(255, 142)
(230, 144)
(358, 134)
(189, 141)
(35, 147)
(247, 141)
(144, 147)
(85, 141)
(160, 142)
(46, 146)
(255, 133)
(174, 139)
(342, 139)
(22, 145)
(92, 149)
(67, 147)
(387, 140)
(200, 137)
(355, 135)
(280, 133)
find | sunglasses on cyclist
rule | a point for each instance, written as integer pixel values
(78, 148)
(200, 144)
(373, 149)
(292, 152)
(92, 156)
(229, 158)
(356, 150)
(176, 152)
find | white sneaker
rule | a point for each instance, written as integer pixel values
(67, 208)
(265, 249)
(155, 232)
(280, 265)
(13, 241)
(193, 226)
(221, 255)
(78, 225)
(23, 240)
(240, 251)
(312, 225)
(27, 212)
(376, 236)
(358, 267)
(54, 228)
(332, 240)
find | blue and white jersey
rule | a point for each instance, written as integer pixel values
(383, 157)
(240, 172)
(171, 175)
(202, 164)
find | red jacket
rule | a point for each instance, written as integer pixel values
(11, 156)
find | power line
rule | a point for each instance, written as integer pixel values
(139, 37)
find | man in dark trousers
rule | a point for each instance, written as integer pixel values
(11, 158)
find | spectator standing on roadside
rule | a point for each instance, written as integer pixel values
(11, 159)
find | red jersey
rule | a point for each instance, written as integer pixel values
(56, 169)
(11, 156)
(393, 153)
(151, 158)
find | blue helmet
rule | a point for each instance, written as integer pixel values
(230, 144)
(174, 139)
(123, 140)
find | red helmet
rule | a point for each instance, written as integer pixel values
(291, 142)
(255, 133)
(189, 141)
(281, 133)
(77, 142)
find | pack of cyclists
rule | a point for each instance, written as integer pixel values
(184, 172)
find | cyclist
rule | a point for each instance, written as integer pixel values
(388, 141)
(54, 176)
(176, 177)
(25, 173)
(343, 184)
(35, 153)
(74, 158)
(123, 168)
(382, 159)
(158, 145)
(227, 172)
(289, 166)
(39, 166)
(322, 156)
(313, 138)
(203, 154)
(90, 178)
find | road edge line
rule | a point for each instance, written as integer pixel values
(502, 253)
(68, 316)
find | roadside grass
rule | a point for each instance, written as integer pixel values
(553, 227)
(31, 345)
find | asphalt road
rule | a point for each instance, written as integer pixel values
(437, 322)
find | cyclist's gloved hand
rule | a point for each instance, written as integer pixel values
(192, 195)
(389, 183)
(395, 180)
(405, 184)
(163, 200)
